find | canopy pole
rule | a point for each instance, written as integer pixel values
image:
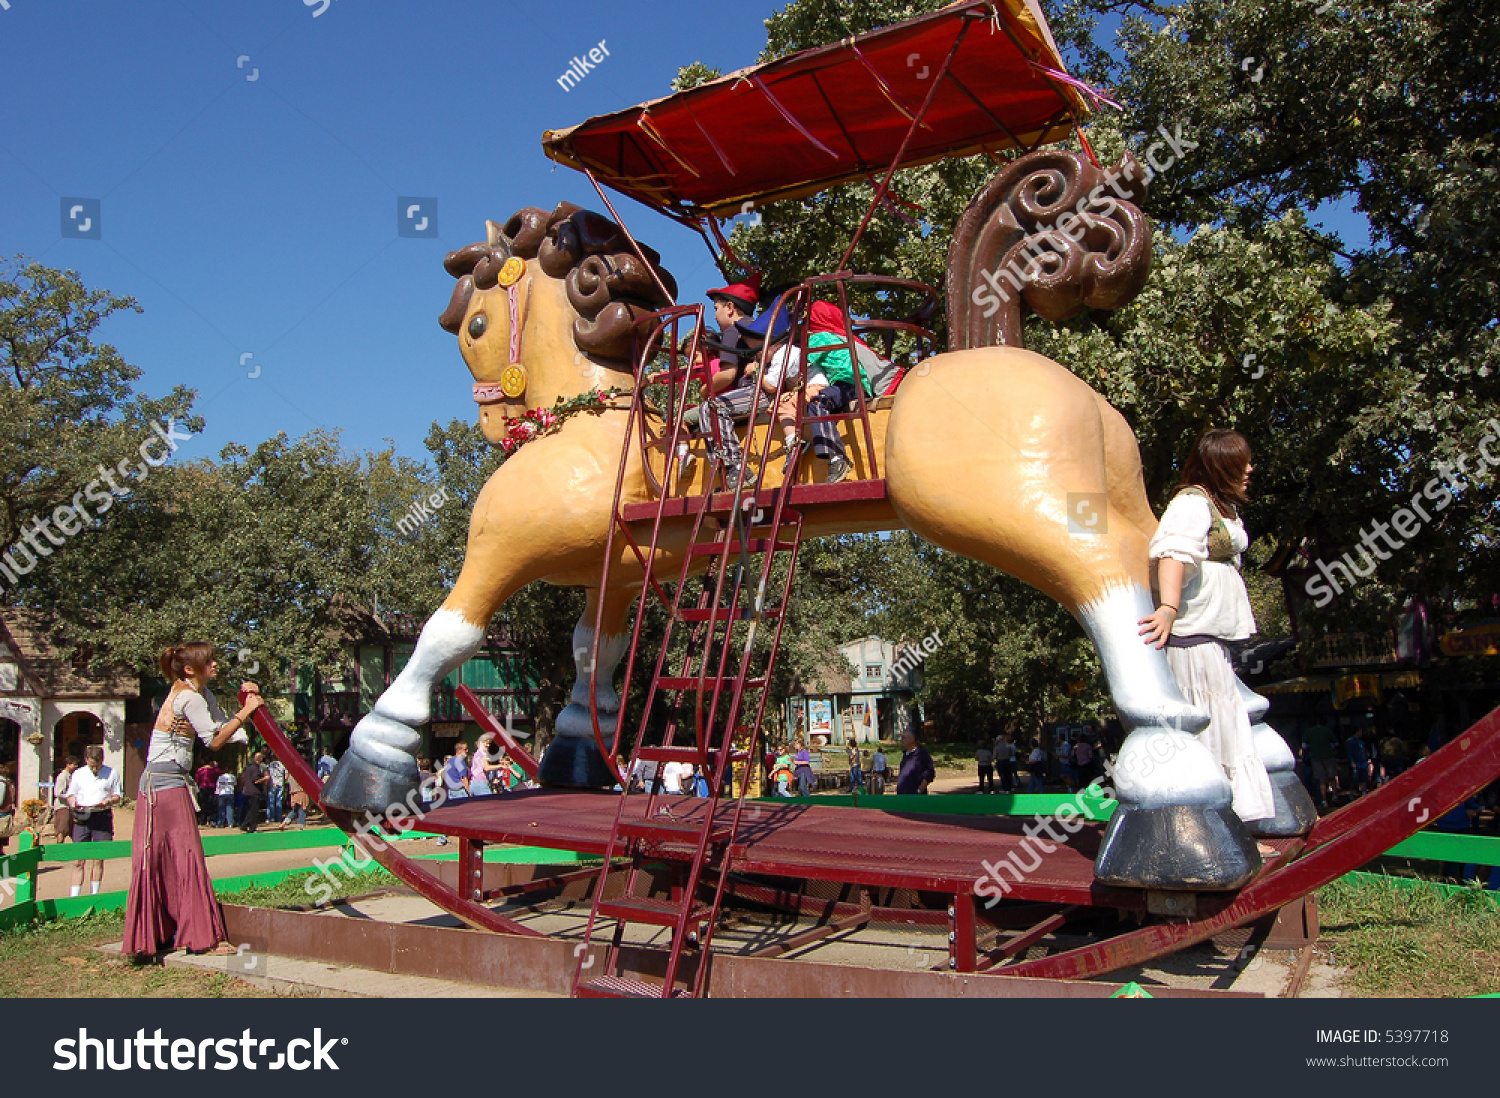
(725, 252)
(901, 152)
(650, 267)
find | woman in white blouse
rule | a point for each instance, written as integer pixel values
(171, 903)
(1202, 603)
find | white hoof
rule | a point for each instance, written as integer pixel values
(1272, 749)
(385, 743)
(1159, 767)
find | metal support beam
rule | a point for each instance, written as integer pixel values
(1024, 940)
(961, 933)
(817, 933)
(471, 869)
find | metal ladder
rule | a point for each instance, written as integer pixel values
(719, 688)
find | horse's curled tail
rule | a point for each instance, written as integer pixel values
(1051, 228)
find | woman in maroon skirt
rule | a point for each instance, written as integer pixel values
(171, 903)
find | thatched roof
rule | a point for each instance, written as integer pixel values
(49, 675)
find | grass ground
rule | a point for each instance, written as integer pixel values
(293, 893)
(950, 760)
(60, 960)
(1392, 940)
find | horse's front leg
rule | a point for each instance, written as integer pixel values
(510, 545)
(380, 768)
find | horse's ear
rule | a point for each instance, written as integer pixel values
(495, 231)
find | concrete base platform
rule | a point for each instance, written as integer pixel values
(298, 977)
(402, 946)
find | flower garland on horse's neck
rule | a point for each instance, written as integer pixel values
(538, 422)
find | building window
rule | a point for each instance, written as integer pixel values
(874, 671)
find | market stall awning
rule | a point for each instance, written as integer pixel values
(799, 124)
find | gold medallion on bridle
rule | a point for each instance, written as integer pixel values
(511, 271)
(513, 380)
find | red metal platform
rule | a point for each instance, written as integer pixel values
(863, 846)
(945, 856)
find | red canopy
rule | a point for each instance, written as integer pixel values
(804, 122)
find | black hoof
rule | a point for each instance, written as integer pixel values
(1295, 813)
(574, 762)
(359, 786)
(1180, 848)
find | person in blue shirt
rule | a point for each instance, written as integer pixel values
(456, 773)
(917, 770)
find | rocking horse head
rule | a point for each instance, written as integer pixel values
(547, 307)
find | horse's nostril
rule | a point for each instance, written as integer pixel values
(477, 325)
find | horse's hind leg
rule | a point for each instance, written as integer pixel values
(1295, 812)
(1001, 455)
(573, 758)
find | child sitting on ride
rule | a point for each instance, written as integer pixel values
(830, 383)
(723, 361)
(768, 337)
(733, 304)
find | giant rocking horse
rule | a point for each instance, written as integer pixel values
(585, 368)
(981, 450)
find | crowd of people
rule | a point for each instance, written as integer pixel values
(1074, 756)
(263, 792)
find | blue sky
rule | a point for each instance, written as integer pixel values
(259, 216)
(248, 156)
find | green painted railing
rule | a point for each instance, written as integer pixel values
(261, 842)
(18, 870)
(962, 804)
(1450, 846)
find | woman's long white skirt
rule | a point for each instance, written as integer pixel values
(1207, 679)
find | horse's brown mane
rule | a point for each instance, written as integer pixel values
(607, 283)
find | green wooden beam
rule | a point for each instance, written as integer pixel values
(1450, 846)
(259, 843)
(960, 804)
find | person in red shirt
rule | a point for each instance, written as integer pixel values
(206, 777)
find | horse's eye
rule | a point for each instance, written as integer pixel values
(476, 325)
